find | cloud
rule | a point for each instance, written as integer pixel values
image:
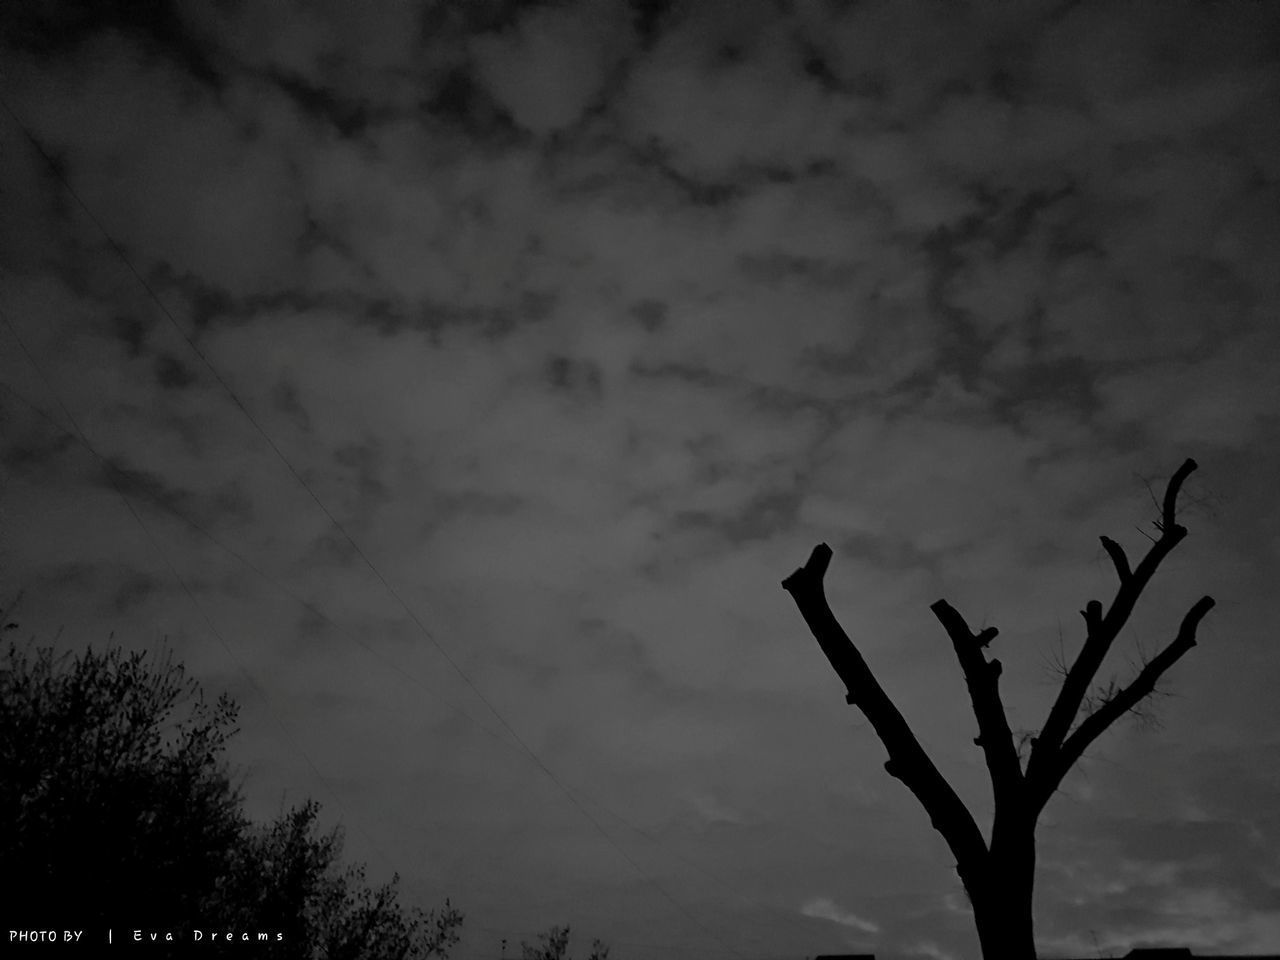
(555, 63)
(826, 909)
(585, 338)
(767, 114)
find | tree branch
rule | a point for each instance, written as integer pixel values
(1168, 507)
(1125, 699)
(908, 761)
(1118, 558)
(982, 677)
(1102, 629)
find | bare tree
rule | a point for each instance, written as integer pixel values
(998, 872)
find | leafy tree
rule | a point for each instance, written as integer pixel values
(287, 876)
(113, 803)
(116, 809)
(998, 871)
(554, 945)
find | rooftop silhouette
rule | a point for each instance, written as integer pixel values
(1180, 953)
(1137, 953)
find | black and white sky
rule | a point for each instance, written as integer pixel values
(582, 322)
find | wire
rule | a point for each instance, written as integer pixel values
(396, 669)
(235, 399)
(139, 488)
(113, 476)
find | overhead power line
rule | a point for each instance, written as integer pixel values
(396, 669)
(338, 526)
(114, 477)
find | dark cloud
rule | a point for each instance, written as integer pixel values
(363, 464)
(760, 518)
(133, 592)
(29, 447)
(578, 378)
(286, 399)
(586, 321)
(652, 314)
(225, 504)
(348, 118)
(56, 29)
(459, 99)
(132, 332)
(172, 373)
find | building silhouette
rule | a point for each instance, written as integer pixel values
(1137, 953)
(1178, 953)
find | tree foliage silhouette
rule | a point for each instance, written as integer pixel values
(998, 872)
(287, 876)
(114, 806)
(118, 811)
(554, 945)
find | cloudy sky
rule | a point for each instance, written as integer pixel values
(473, 373)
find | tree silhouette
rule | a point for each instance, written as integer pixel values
(998, 873)
(114, 806)
(554, 945)
(116, 810)
(287, 876)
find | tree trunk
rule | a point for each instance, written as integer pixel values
(1001, 898)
